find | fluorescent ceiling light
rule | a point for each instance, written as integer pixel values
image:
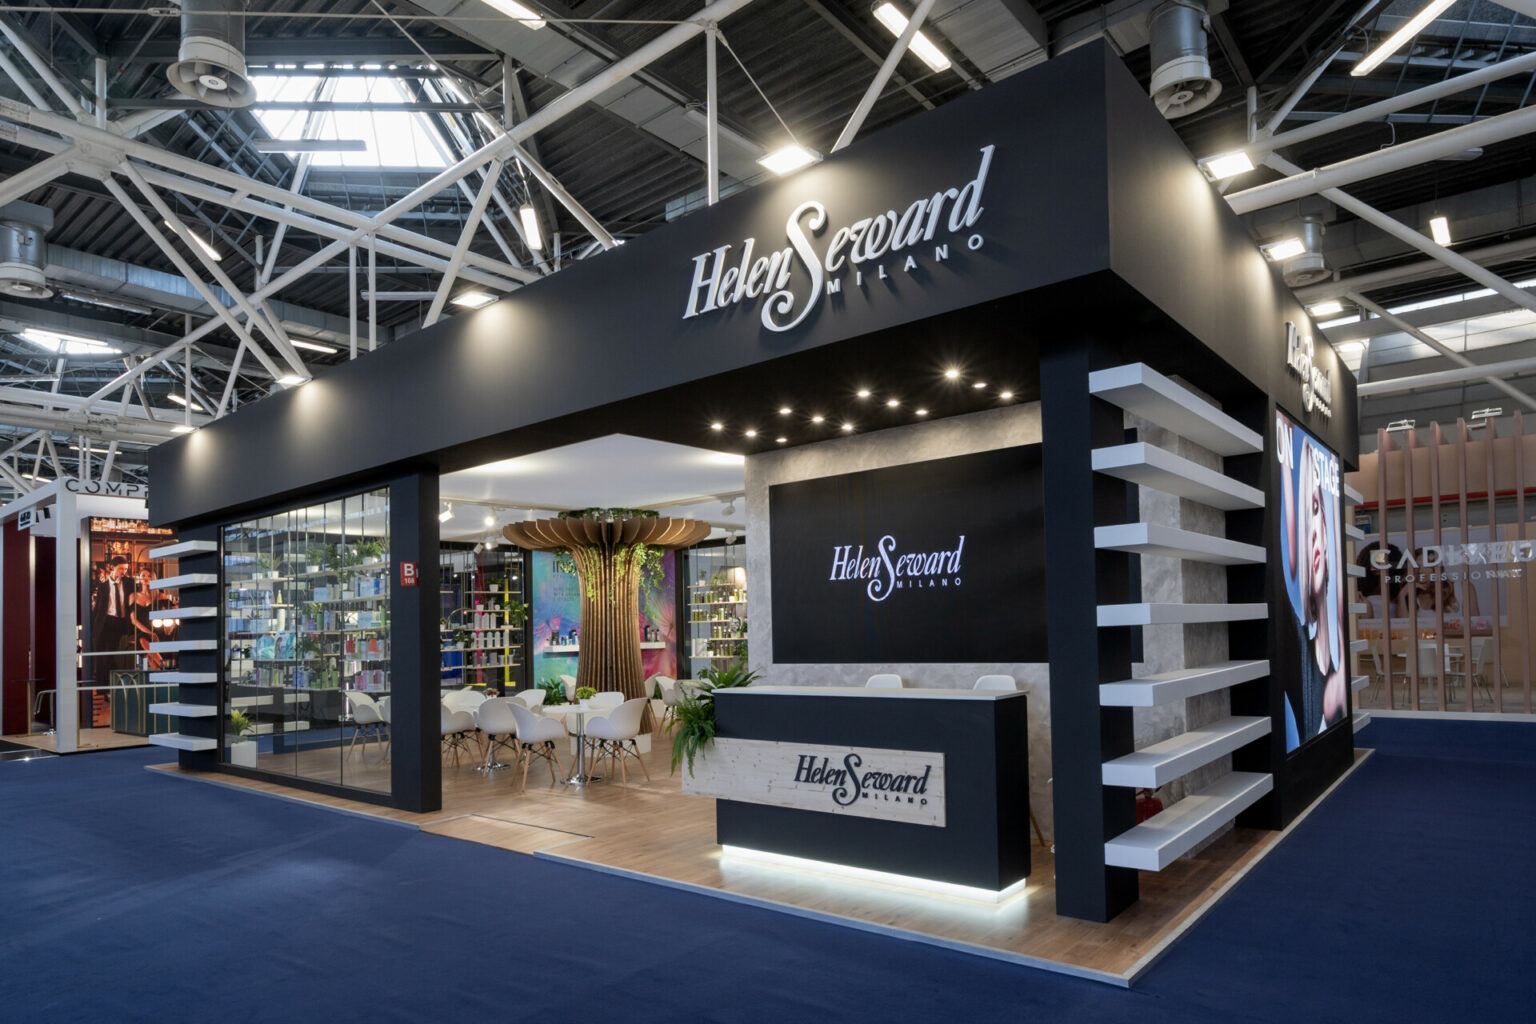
(1328, 307)
(921, 45)
(1440, 230)
(530, 227)
(1412, 27)
(208, 250)
(68, 344)
(180, 400)
(1349, 348)
(310, 146)
(511, 8)
(473, 299)
(289, 380)
(183, 428)
(1284, 249)
(313, 346)
(789, 159)
(1226, 165)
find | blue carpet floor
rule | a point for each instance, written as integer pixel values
(130, 896)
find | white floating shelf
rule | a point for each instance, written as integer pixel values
(1356, 646)
(1357, 571)
(1358, 683)
(652, 645)
(184, 678)
(182, 742)
(1165, 837)
(1139, 389)
(1353, 496)
(1354, 532)
(1149, 466)
(1151, 691)
(1161, 763)
(562, 649)
(177, 709)
(1156, 539)
(186, 547)
(1362, 719)
(1358, 608)
(1177, 614)
(175, 646)
(168, 614)
(190, 579)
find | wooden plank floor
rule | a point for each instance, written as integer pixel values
(650, 829)
(88, 739)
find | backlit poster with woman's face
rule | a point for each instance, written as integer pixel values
(1313, 667)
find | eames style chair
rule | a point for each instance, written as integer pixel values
(388, 736)
(457, 728)
(614, 735)
(670, 694)
(366, 722)
(464, 700)
(531, 698)
(536, 737)
(885, 681)
(496, 721)
(997, 682)
(569, 682)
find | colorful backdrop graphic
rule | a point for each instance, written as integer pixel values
(556, 598)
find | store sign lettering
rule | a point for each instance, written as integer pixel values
(888, 571)
(869, 245)
(1316, 384)
(1432, 556)
(114, 488)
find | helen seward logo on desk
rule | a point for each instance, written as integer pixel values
(888, 569)
(849, 781)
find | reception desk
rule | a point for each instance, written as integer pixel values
(932, 784)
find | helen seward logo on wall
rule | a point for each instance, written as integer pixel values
(1316, 384)
(888, 570)
(875, 246)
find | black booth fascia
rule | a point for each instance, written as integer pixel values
(1100, 243)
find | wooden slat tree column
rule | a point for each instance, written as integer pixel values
(608, 554)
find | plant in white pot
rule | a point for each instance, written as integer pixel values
(242, 751)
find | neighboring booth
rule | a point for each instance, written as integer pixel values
(1049, 238)
(82, 604)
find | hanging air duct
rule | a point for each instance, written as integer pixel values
(23, 253)
(1181, 66)
(1309, 267)
(210, 64)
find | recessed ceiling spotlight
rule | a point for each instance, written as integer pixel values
(951, 374)
(490, 520)
(780, 440)
(785, 410)
(847, 428)
(751, 433)
(717, 426)
(863, 392)
(979, 385)
(921, 412)
(892, 403)
(818, 418)
(1006, 394)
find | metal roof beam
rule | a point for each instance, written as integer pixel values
(314, 48)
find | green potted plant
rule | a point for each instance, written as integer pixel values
(693, 719)
(585, 693)
(242, 751)
(554, 690)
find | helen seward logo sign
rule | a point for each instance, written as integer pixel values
(876, 245)
(1316, 385)
(864, 782)
(887, 569)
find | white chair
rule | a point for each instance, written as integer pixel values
(569, 682)
(536, 737)
(606, 699)
(388, 736)
(366, 721)
(495, 719)
(457, 727)
(997, 682)
(465, 700)
(670, 694)
(531, 699)
(885, 681)
(614, 735)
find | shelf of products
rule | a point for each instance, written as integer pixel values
(482, 623)
(716, 605)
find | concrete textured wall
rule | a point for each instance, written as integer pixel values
(920, 442)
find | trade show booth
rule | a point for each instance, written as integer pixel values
(888, 339)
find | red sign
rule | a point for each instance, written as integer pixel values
(408, 574)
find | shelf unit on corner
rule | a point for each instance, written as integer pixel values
(203, 585)
(1144, 392)
(181, 741)
(184, 548)
(1362, 719)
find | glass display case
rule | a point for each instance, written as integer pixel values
(716, 607)
(306, 642)
(482, 618)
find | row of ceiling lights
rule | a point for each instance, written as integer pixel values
(952, 374)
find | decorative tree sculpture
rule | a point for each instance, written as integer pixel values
(609, 548)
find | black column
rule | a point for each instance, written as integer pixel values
(416, 775)
(199, 661)
(1083, 734)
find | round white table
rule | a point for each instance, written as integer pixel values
(580, 711)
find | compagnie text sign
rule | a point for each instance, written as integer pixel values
(866, 782)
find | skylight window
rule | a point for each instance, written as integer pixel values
(394, 138)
